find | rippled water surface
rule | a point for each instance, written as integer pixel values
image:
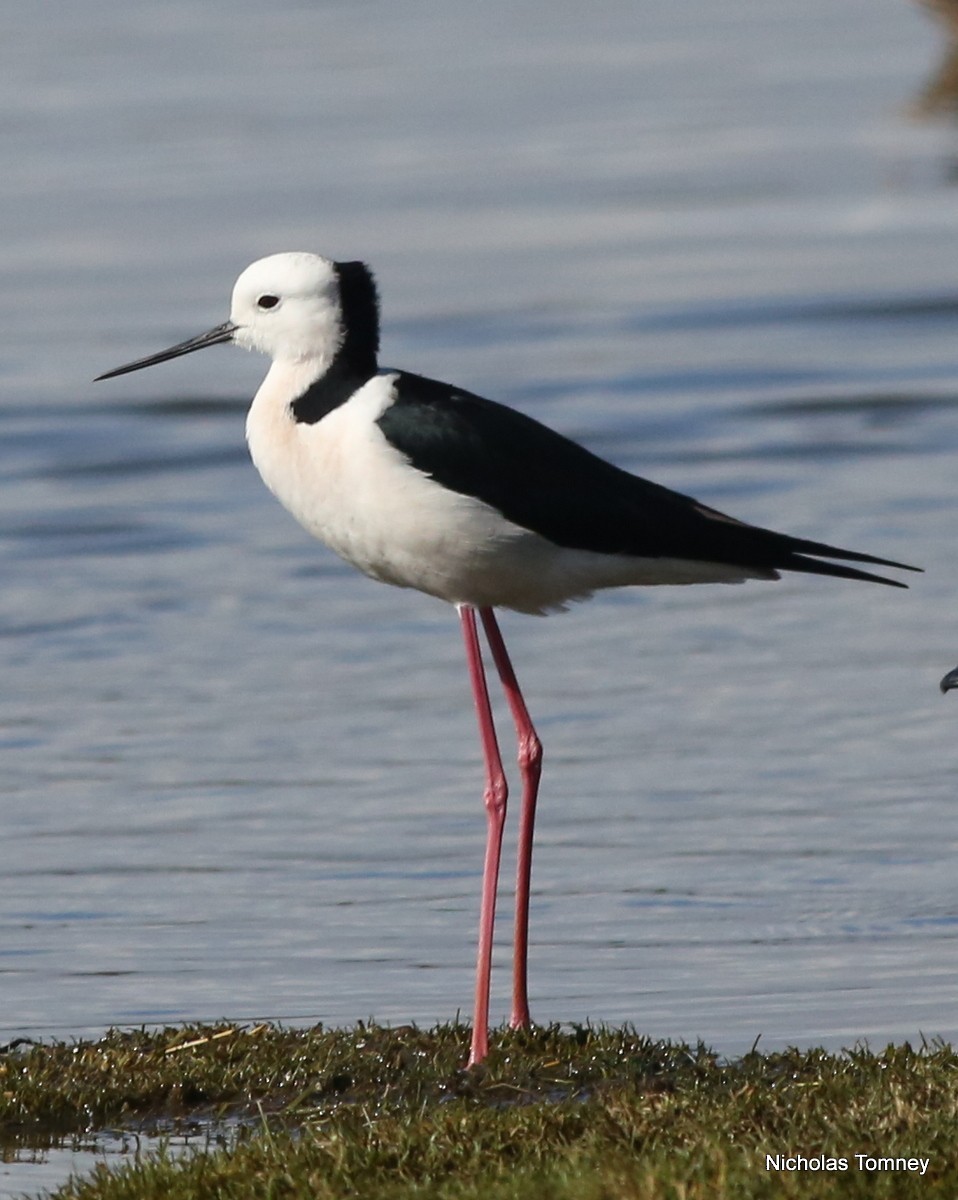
(239, 780)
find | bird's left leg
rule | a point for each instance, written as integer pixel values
(495, 796)
(530, 767)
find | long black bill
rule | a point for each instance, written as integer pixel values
(213, 337)
(950, 681)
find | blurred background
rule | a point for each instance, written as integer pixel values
(716, 243)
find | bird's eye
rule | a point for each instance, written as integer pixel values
(267, 302)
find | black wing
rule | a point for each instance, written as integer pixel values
(546, 483)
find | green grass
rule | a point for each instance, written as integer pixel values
(595, 1114)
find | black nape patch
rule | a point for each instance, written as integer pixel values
(360, 306)
(355, 360)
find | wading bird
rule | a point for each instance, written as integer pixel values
(425, 485)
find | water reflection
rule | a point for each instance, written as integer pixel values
(43, 1164)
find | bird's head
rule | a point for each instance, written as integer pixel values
(289, 306)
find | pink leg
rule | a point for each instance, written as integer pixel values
(530, 767)
(494, 797)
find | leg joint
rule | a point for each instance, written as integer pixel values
(495, 796)
(530, 750)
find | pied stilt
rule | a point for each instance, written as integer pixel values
(425, 485)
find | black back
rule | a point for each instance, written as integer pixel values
(544, 482)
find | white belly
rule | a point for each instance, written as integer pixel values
(348, 487)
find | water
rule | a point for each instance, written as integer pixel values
(239, 780)
(44, 1168)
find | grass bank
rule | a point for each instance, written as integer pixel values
(592, 1114)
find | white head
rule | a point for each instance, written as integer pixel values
(297, 308)
(288, 306)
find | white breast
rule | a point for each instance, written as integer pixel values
(342, 480)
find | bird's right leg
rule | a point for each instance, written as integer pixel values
(494, 797)
(530, 766)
